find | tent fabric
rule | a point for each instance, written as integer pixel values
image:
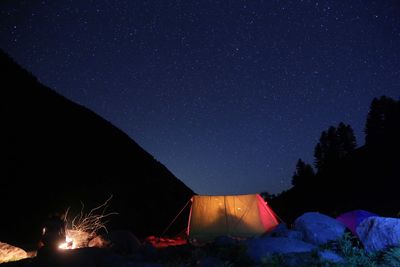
(238, 216)
(353, 218)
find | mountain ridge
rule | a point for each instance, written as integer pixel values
(51, 141)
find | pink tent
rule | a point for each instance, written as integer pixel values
(353, 218)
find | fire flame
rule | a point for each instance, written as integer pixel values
(69, 244)
(85, 226)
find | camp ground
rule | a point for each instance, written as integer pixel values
(235, 216)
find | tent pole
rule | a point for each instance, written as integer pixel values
(176, 217)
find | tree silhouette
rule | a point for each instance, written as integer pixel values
(383, 121)
(304, 173)
(320, 151)
(267, 196)
(347, 139)
(334, 144)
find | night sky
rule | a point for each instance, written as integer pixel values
(227, 94)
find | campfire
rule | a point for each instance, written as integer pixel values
(85, 226)
(69, 243)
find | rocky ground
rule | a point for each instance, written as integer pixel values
(313, 240)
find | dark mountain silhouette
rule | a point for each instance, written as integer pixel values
(55, 153)
(364, 178)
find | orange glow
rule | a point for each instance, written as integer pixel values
(69, 244)
(85, 226)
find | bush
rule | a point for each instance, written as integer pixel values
(391, 257)
(350, 248)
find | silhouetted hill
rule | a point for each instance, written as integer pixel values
(368, 178)
(54, 153)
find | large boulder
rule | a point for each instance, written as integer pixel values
(378, 233)
(318, 228)
(260, 248)
(11, 253)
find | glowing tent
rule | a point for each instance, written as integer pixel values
(238, 216)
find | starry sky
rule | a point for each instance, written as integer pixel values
(227, 94)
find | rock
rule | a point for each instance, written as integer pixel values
(11, 253)
(259, 248)
(331, 257)
(120, 242)
(282, 231)
(318, 228)
(378, 233)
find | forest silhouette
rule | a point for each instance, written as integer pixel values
(345, 177)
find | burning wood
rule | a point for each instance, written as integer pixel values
(85, 226)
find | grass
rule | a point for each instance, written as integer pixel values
(348, 247)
